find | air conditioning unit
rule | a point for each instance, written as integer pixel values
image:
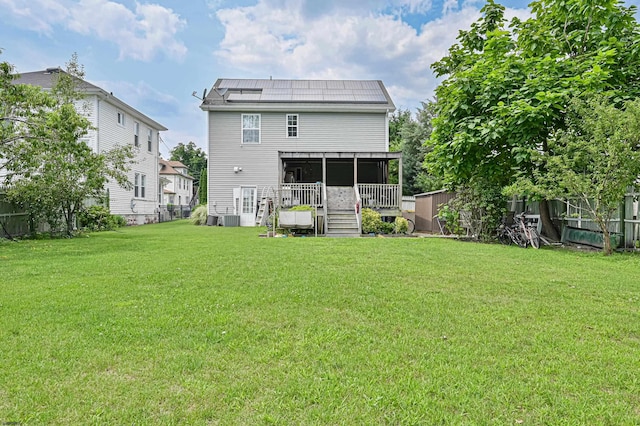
(231, 220)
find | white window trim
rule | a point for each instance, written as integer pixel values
(242, 129)
(139, 185)
(297, 126)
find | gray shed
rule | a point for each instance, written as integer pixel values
(427, 206)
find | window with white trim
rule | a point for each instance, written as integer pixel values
(292, 125)
(250, 128)
(120, 118)
(136, 133)
(149, 140)
(139, 185)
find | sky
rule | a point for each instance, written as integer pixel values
(154, 55)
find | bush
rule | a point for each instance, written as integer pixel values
(98, 218)
(303, 208)
(386, 228)
(199, 215)
(118, 221)
(371, 221)
(401, 225)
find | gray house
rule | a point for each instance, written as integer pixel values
(281, 143)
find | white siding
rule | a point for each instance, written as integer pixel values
(334, 132)
(111, 135)
(183, 188)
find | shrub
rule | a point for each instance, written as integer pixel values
(386, 228)
(98, 218)
(401, 225)
(118, 221)
(371, 221)
(303, 208)
(199, 215)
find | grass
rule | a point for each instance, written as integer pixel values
(178, 324)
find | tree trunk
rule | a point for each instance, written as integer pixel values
(548, 228)
(606, 240)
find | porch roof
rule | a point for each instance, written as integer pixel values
(342, 154)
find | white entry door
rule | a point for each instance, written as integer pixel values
(248, 206)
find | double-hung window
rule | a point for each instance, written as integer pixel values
(139, 184)
(250, 128)
(149, 140)
(292, 125)
(136, 133)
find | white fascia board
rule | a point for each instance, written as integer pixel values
(288, 107)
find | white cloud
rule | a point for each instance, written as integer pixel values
(38, 15)
(264, 40)
(143, 97)
(140, 34)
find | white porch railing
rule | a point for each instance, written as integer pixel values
(380, 196)
(296, 194)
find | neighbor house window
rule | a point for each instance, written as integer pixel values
(136, 133)
(120, 118)
(292, 125)
(250, 128)
(139, 184)
(149, 137)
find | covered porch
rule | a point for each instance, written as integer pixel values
(338, 185)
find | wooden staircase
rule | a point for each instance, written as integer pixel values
(342, 223)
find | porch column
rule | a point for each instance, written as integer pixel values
(324, 170)
(280, 172)
(400, 182)
(355, 170)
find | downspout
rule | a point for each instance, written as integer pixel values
(386, 131)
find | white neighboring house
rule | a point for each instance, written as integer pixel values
(177, 184)
(118, 124)
(323, 143)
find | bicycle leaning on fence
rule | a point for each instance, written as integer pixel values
(521, 233)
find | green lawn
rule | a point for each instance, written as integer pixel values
(178, 324)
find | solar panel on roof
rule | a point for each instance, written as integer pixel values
(317, 84)
(244, 97)
(335, 84)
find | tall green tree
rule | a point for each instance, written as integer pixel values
(408, 135)
(53, 175)
(414, 133)
(594, 159)
(202, 187)
(191, 156)
(22, 114)
(507, 86)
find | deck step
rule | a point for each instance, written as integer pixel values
(342, 223)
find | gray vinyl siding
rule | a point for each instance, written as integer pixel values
(330, 132)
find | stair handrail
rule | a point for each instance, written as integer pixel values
(358, 207)
(325, 224)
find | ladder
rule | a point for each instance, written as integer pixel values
(265, 197)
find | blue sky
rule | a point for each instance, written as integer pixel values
(154, 55)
